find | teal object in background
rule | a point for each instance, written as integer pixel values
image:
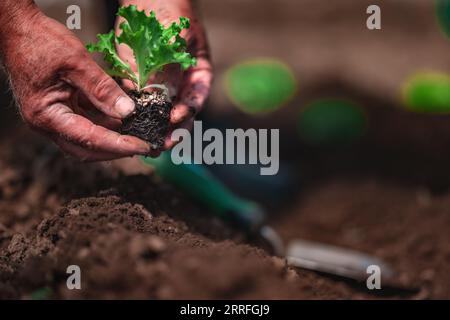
(260, 86)
(443, 15)
(427, 93)
(198, 182)
(331, 121)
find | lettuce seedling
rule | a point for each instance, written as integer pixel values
(153, 46)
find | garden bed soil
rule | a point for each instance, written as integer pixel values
(136, 237)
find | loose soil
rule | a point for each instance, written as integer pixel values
(150, 121)
(132, 237)
(136, 237)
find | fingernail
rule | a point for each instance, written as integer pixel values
(124, 106)
(144, 148)
(180, 114)
(134, 145)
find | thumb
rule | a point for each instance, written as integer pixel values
(101, 90)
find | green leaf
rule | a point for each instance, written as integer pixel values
(107, 45)
(153, 45)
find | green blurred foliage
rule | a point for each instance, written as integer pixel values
(443, 15)
(260, 86)
(331, 121)
(42, 293)
(427, 93)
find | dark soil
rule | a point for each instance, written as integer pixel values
(150, 121)
(136, 237)
(133, 238)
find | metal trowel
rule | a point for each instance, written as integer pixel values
(334, 260)
(198, 182)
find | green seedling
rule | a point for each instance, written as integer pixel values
(330, 121)
(427, 93)
(260, 86)
(154, 46)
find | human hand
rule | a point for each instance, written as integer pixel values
(62, 92)
(191, 87)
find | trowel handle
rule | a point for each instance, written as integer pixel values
(198, 182)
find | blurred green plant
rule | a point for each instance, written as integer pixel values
(42, 293)
(260, 86)
(331, 121)
(443, 15)
(427, 92)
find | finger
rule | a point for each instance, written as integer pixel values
(83, 154)
(128, 85)
(169, 143)
(101, 90)
(196, 87)
(154, 154)
(60, 119)
(103, 120)
(171, 77)
(82, 106)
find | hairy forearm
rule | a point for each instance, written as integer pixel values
(14, 14)
(10, 6)
(12, 11)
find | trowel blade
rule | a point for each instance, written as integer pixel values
(334, 260)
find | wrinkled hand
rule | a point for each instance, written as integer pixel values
(191, 87)
(63, 93)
